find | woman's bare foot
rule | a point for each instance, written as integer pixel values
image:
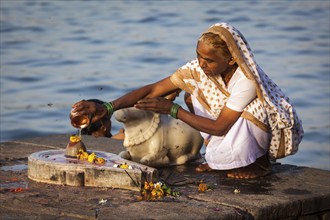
(120, 135)
(261, 167)
(204, 167)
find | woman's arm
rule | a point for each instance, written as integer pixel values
(218, 127)
(161, 88)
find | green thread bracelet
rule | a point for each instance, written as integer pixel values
(109, 107)
(174, 110)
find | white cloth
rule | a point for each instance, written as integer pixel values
(241, 146)
(242, 91)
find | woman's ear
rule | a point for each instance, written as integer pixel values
(231, 61)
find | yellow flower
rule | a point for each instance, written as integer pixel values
(91, 157)
(158, 185)
(157, 193)
(124, 166)
(146, 186)
(85, 155)
(160, 193)
(75, 138)
(154, 192)
(82, 155)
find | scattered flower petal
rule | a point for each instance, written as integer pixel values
(17, 189)
(202, 187)
(102, 201)
(236, 191)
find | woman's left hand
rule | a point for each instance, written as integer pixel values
(159, 105)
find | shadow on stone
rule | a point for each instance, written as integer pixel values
(292, 191)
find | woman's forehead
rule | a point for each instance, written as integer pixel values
(207, 50)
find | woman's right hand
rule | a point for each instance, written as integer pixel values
(96, 110)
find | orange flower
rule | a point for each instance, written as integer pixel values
(202, 187)
(100, 160)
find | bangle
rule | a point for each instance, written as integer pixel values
(109, 107)
(174, 110)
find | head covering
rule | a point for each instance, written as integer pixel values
(286, 128)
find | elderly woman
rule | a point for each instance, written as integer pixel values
(241, 114)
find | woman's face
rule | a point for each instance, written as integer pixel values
(211, 60)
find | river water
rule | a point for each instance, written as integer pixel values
(54, 53)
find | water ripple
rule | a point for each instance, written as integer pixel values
(156, 60)
(29, 79)
(293, 28)
(43, 62)
(147, 43)
(21, 29)
(75, 39)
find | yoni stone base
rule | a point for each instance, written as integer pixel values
(54, 168)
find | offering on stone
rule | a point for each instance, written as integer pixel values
(92, 158)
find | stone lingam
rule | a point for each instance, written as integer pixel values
(74, 146)
(63, 168)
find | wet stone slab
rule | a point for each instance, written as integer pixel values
(290, 192)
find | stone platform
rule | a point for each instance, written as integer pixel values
(290, 192)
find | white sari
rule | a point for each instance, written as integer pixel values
(242, 145)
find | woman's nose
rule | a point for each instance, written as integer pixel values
(202, 63)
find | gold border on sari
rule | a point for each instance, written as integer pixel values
(254, 120)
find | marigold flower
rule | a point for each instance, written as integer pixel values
(202, 187)
(100, 160)
(91, 157)
(75, 138)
